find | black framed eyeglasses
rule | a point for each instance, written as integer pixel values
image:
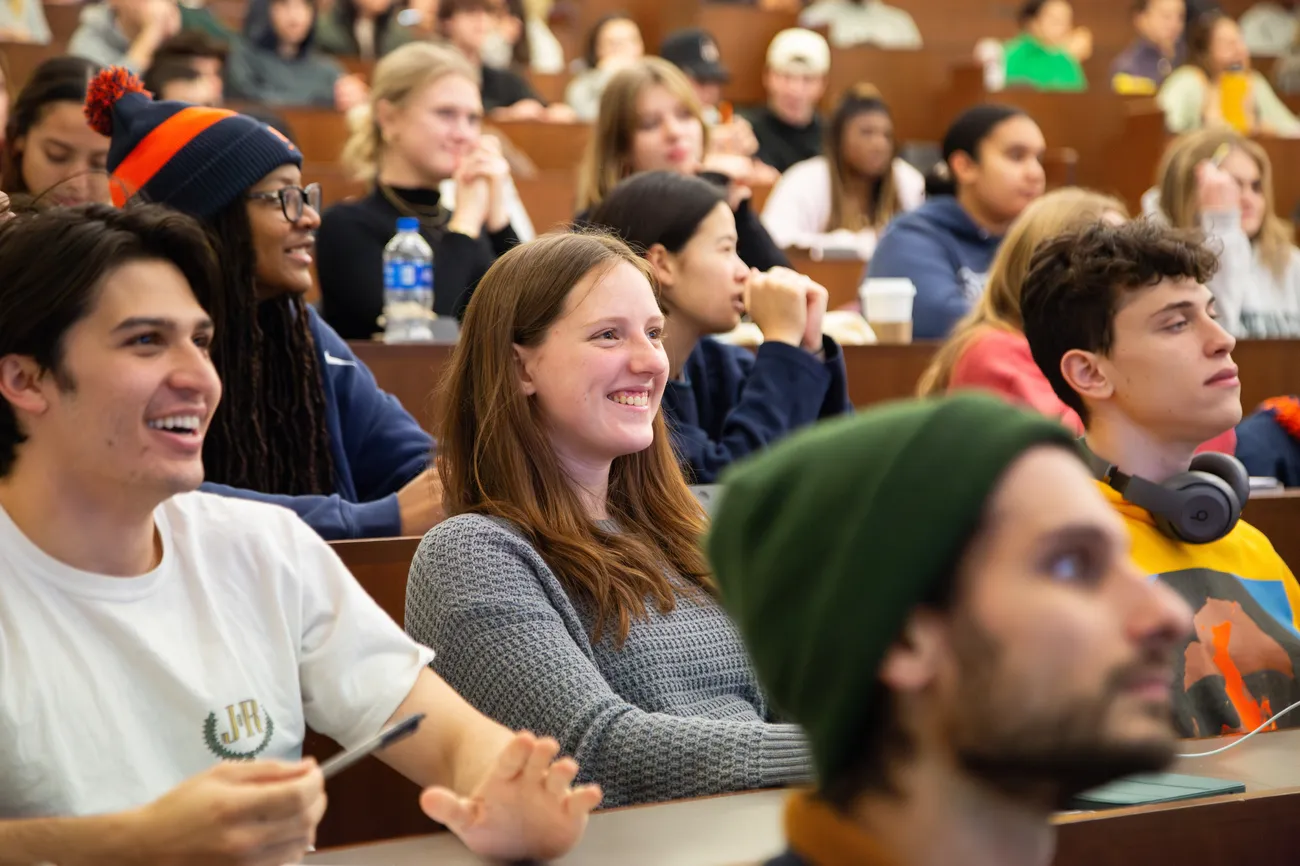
(293, 199)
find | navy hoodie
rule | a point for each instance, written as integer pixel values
(376, 445)
(945, 255)
(731, 401)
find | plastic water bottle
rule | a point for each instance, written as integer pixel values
(408, 285)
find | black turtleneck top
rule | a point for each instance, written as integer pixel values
(350, 259)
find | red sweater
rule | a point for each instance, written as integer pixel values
(1000, 361)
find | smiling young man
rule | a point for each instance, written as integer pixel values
(958, 684)
(157, 640)
(1121, 323)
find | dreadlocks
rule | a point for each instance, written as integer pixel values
(269, 431)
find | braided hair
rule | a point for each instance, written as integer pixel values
(269, 431)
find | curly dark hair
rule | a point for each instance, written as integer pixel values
(1077, 282)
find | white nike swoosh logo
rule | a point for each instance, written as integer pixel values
(338, 362)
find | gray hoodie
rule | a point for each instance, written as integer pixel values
(258, 74)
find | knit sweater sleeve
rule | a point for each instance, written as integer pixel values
(509, 641)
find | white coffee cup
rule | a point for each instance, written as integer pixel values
(887, 307)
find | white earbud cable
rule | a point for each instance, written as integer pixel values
(1236, 743)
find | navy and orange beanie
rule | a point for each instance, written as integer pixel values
(194, 159)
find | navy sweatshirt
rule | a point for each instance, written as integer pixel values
(1265, 448)
(376, 445)
(945, 255)
(731, 402)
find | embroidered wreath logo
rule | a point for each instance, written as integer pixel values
(215, 746)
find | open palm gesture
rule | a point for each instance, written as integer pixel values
(527, 806)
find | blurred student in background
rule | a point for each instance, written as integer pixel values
(423, 129)
(723, 402)
(1048, 52)
(24, 21)
(651, 120)
(368, 29)
(789, 128)
(845, 198)
(1142, 67)
(862, 22)
(991, 171)
(613, 43)
(1222, 182)
(469, 25)
(124, 32)
(50, 152)
(1218, 87)
(283, 66)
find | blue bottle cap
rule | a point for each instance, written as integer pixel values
(408, 224)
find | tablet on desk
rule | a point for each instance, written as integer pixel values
(1154, 788)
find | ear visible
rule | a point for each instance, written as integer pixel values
(914, 659)
(964, 168)
(21, 384)
(523, 369)
(664, 264)
(1083, 372)
(385, 116)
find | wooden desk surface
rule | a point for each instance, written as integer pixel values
(745, 828)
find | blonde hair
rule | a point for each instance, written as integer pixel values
(398, 76)
(999, 306)
(1178, 195)
(608, 158)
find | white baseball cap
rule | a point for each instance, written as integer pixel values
(800, 51)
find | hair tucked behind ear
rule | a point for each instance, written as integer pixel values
(494, 457)
(269, 431)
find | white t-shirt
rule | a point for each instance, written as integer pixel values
(798, 208)
(114, 690)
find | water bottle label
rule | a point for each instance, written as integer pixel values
(408, 276)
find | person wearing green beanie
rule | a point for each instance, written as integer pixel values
(938, 593)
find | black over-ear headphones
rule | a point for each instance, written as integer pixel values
(1198, 506)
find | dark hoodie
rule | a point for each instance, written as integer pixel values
(257, 72)
(945, 255)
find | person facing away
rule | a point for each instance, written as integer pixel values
(723, 401)
(862, 22)
(566, 591)
(789, 128)
(1121, 322)
(991, 171)
(119, 578)
(50, 153)
(423, 127)
(651, 120)
(124, 32)
(988, 350)
(1268, 442)
(1042, 55)
(613, 43)
(1022, 585)
(1222, 182)
(1194, 95)
(1141, 68)
(282, 65)
(353, 463)
(846, 197)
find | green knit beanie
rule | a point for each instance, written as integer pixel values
(824, 544)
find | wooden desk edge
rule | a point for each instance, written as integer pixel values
(1149, 808)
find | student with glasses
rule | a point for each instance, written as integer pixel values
(303, 423)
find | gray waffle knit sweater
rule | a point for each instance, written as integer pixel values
(676, 712)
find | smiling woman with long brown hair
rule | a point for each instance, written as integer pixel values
(566, 593)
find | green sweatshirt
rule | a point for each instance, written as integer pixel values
(1031, 63)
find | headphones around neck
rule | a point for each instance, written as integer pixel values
(1198, 506)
